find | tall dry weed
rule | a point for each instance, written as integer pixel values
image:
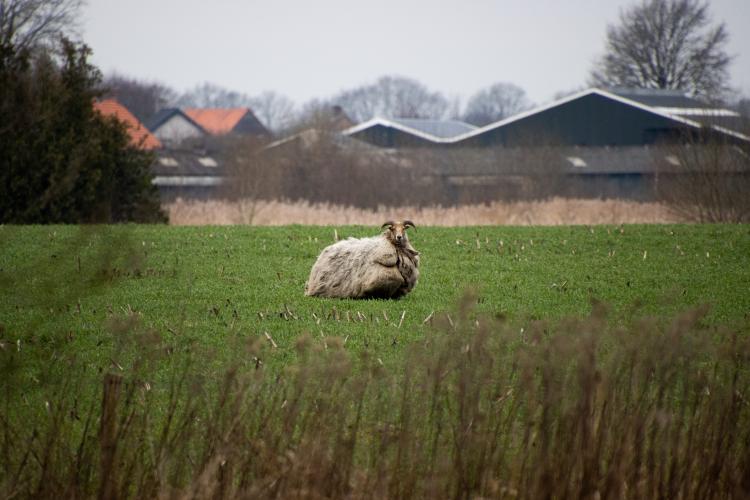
(476, 409)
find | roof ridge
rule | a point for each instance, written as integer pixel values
(165, 114)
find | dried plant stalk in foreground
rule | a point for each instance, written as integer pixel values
(578, 408)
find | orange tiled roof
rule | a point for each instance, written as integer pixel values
(216, 120)
(139, 134)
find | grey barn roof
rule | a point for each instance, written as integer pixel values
(438, 128)
(176, 162)
(420, 131)
(591, 117)
(677, 103)
(659, 98)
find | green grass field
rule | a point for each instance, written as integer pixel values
(77, 303)
(202, 283)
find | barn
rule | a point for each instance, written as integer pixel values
(595, 143)
(598, 118)
(593, 117)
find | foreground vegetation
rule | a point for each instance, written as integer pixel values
(144, 361)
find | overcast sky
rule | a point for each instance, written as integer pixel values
(315, 48)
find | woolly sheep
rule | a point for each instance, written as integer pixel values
(383, 266)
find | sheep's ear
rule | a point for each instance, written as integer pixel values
(388, 224)
(408, 223)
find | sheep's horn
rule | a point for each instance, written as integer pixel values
(408, 223)
(389, 224)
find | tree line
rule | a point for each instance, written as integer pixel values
(390, 96)
(63, 162)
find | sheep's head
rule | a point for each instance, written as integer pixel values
(396, 232)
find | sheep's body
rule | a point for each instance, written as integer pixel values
(364, 268)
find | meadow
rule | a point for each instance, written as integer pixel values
(142, 361)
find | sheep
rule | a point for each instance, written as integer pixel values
(383, 266)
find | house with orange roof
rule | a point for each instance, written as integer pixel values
(221, 121)
(140, 136)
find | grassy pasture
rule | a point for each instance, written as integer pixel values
(77, 303)
(204, 282)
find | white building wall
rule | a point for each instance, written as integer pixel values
(176, 130)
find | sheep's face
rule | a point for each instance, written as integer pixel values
(396, 232)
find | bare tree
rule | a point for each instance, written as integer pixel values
(706, 178)
(393, 97)
(321, 115)
(496, 102)
(143, 99)
(211, 95)
(248, 175)
(743, 107)
(469, 175)
(311, 115)
(666, 44)
(319, 165)
(455, 108)
(274, 110)
(29, 23)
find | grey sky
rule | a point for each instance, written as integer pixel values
(307, 49)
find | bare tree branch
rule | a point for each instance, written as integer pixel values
(143, 99)
(274, 110)
(495, 103)
(393, 97)
(666, 44)
(210, 95)
(705, 178)
(28, 23)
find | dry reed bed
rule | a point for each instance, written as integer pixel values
(555, 211)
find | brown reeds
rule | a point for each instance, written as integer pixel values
(550, 212)
(478, 408)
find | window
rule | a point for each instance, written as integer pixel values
(168, 161)
(672, 160)
(207, 161)
(577, 161)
